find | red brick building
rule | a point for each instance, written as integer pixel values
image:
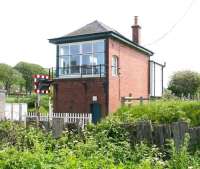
(97, 66)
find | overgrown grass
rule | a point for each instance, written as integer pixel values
(105, 146)
(162, 112)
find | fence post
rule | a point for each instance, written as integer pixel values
(178, 131)
(57, 126)
(144, 131)
(141, 100)
(11, 116)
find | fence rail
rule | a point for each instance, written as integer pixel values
(82, 118)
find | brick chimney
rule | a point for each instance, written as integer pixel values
(136, 31)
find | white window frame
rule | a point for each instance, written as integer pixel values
(81, 53)
(115, 62)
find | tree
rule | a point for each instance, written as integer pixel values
(10, 76)
(184, 83)
(28, 70)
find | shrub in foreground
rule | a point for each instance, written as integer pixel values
(162, 112)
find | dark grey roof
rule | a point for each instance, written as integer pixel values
(91, 28)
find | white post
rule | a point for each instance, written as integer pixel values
(2, 103)
(38, 109)
(20, 112)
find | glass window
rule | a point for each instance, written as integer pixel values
(87, 64)
(87, 48)
(75, 63)
(64, 50)
(64, 65)
(114, 65)
(74, 49)
(87, 60)
(98, 59)
(83, 57)
(98, 46)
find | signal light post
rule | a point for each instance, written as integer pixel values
(41, 86)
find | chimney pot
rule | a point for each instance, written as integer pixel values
(136, 20)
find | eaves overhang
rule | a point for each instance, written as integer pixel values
(101, 35)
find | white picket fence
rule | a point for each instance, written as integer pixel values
(81, 118)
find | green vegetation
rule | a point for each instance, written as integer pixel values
(30, 100)
(162, 112)
(19, 79)
(10, 77)
(183, 83)
(105, 146)
(28, 70)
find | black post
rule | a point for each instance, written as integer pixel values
(49, 73)
(100, 70)
(81, 71)
(57, 61)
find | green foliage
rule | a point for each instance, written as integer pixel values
(162, 112)
(182, 159)
(103, 146)
(27, 70)
(10, 76)
(30, 100)
(168, 95)
(184, 82)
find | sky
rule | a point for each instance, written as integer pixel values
(26, 26)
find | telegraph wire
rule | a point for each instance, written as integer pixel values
(173, 26)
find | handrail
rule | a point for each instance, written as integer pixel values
(83, 70)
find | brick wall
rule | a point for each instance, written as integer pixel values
(75, 95)
(133, 74)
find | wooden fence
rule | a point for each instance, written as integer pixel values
(76, 118)
(158, 134)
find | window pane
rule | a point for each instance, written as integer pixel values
(75, 63)
(98, 58)
(64, 50)
(87, 60)
(87, 64)
(74, 49)
(114, 65)
(64, 65)
(99, 62)
(87, 48)
(98, 46)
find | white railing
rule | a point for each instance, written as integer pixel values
(81, 118)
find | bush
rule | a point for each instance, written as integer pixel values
(103, 146)
(184, 83)
(162, 112)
